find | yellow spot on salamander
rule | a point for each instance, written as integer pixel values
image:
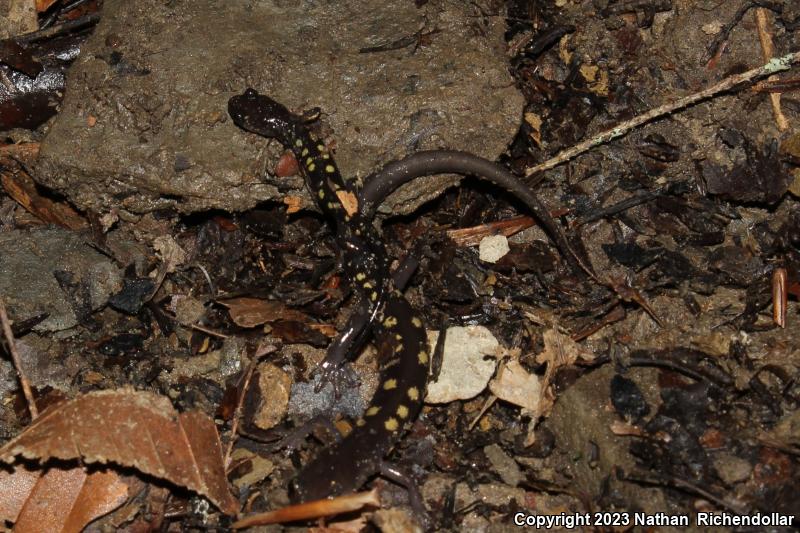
(304, 152)
(398, 338)
(321, 194)
(423, 357)
(321, 147)
(330, 169)
(402, 411)
(372, 411)
(326, 156)
(373, 296)
(413, 394)
(417, 322)
(390, 322)
(398, 348)
(390, 384)
(367, 285)
(309, 161)
(391, 424)
(361, 276)
(361, 422)
(298, 143)
(311, 167)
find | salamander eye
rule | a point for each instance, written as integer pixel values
(250, 93)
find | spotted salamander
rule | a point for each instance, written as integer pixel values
(383, 311)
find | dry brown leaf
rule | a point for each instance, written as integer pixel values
(58, 500)
(15, 485)
(535, 122)
(44, 5)
(559, 350)
(134, 429)
(21, 188)
(170, 252)
(251, 312)
(517, 386)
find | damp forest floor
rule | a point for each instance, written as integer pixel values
(660, 392)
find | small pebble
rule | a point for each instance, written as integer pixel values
(493, 248)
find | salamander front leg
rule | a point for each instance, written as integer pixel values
(350, 341)
(346, 345)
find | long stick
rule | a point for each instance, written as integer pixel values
(12, 349)
(769, 68)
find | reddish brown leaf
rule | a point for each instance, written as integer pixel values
(134, 429)
(251, 312)
(15, 486)
(58, 500)
(44, 5)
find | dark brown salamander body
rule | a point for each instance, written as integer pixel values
(383, 311)
(381, 184)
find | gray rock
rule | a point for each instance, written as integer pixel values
(53, 270)
(144, 124)
(504, 465)
(732, 469)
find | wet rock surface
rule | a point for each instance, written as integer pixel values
(144, 123)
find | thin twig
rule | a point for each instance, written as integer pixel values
(12, 349)
(773, 66)
(209, 331)
(768, 52)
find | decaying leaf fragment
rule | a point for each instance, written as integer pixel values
(134, 429)
(516, 385)
(251, 312)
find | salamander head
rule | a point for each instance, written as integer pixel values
(261, 114)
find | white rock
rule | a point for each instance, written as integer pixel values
(466, 369)
(493, 248)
